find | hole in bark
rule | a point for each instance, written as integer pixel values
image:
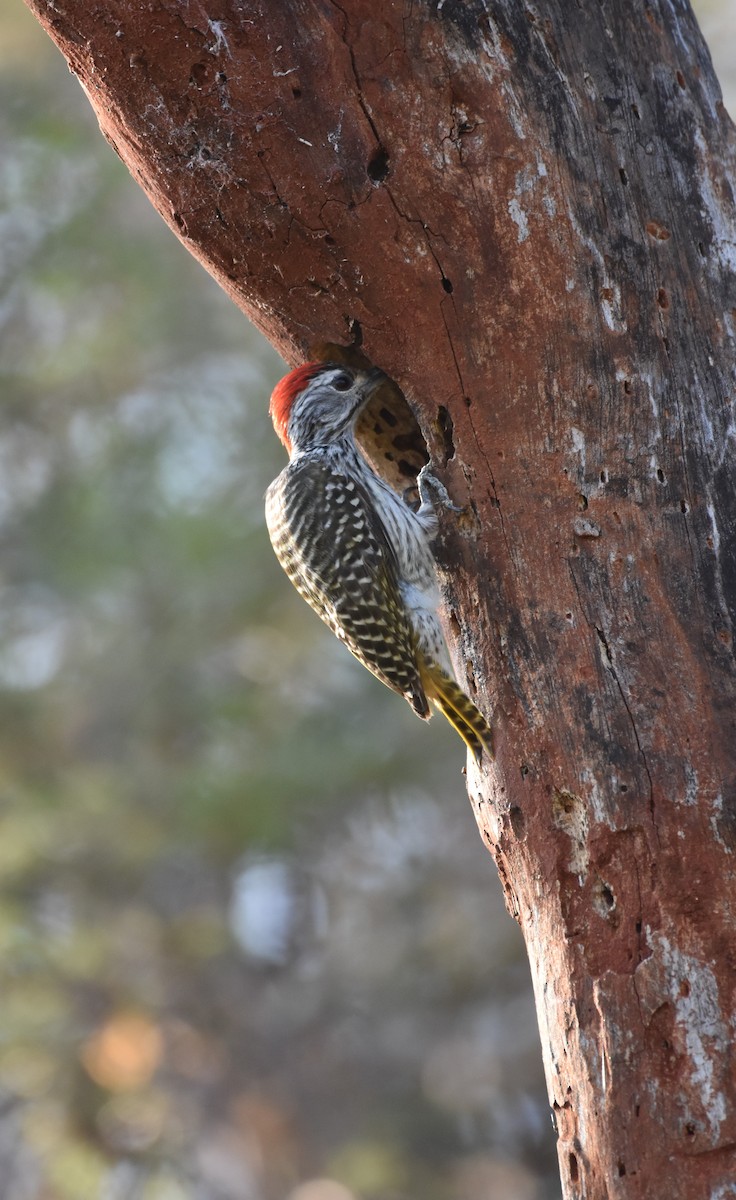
(221, 77)
(455, 626)
(582, 502)
(701, 248)
(666, 344)
(685, 988)
(604, 476)
(660, 475)
(636, 112)
(627, 387)
(568, 616)
(574, 1173)
(518, 821)
(690, 1129)
(623, 176)
(638, 930)
(296, 93)
(659, 232)
(377, 168)
(198, 74)
(621, 1168)
(329, 241)
(524, 770)
(603, 899)
(624, 787)
(446, 284)
(684, 506)
(680, 78)
(444, 424)
(663, 299)
(468, 401)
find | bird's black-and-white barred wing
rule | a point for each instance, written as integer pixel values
(329, 540)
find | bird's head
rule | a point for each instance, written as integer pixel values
(317, 403)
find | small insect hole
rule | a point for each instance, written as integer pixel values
(701, 249)
(636, 112)
(604, 476)
(623, 177)
(296, 93)
(574, 1173)
(680, 78)
(447, 285)
(377, 168)
(517, 820)
(623, 787)
(663, 299)
(684, 506)
(621, 1168)
(628, 388)
(582, 502)
(329, 241)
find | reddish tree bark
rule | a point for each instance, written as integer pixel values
(526, 213)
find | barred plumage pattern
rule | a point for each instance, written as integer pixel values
(356, 552)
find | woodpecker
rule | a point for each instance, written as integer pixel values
(355, 550)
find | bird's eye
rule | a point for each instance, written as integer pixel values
(342, 383)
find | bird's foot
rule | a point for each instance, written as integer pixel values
(433, 492)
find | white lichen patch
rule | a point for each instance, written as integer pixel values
(703, 1037)
(519, 217)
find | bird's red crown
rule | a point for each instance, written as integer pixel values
(284, 395)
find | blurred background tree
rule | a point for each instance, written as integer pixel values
(234, 964)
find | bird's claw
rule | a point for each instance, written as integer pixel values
(433, 492)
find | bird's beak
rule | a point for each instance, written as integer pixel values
(373, 380)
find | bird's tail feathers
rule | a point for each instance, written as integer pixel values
(448, 697)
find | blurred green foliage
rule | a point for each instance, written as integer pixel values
(250, 944)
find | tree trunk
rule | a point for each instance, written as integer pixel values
(526, 215)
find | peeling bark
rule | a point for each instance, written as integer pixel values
(527, 216)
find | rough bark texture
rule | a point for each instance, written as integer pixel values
(526, 213)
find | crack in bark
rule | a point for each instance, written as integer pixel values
(614, 675)
(356, 76)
